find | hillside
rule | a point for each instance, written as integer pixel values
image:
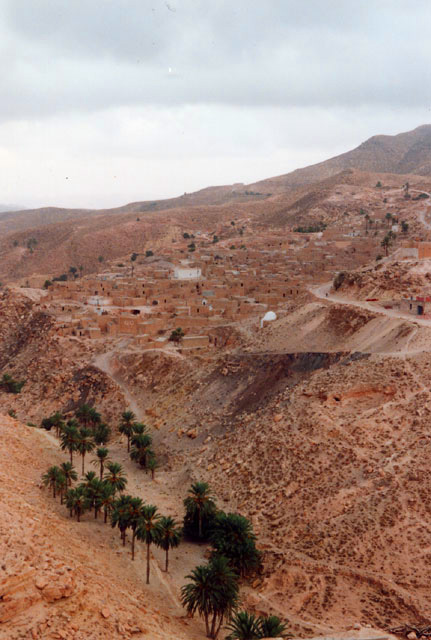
(405, 153)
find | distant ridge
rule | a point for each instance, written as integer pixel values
(405, 153)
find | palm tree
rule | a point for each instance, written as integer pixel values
(101, 433)
(83, 414)
(141, 448)
(126, 425)
(68, 470)
(77, 501)
(139, 428)
(107, 499)
(199, 501)
(94, 418)
(50, 478)
(212, 592)
(94, 489)
(152, 465)
(115, 477)
(136, 505)
(69, 439)
(386, 243)
(170, 536)
(148, 530)
(271, 627)
(102, 459)
(120, 516)
(61, 485)
(244, 626)
(85, 444)
(56, 420)
(232, 536)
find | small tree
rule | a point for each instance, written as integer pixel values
(378, 184)
(212, 592)
(77, 501)
(141, 450)
(8, 384)
(120, 516)
(404, 226)
(133, 260)
(149, 530)
(243, 626)
(85, 444)
(69, 472)
(170, 536)
(50, 478)
(177, 335)
(199, 505)
(102, 458)
(232, 536)
(152, 465)
(126, 425)
(69, 438)
(115, 477)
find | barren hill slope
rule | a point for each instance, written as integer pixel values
(404, 153)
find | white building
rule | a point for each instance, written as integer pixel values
(182, 273)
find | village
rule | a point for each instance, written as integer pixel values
(198, 285)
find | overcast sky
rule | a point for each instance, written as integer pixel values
(105, 102)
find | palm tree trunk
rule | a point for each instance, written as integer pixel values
(101, 469)
(128, 444)
(167, 560)
(219, 627)
(133, 544)
(123, 537)
(213, 626)
(53, 490)
(78, 515)
(207, 628)
(200, 523)
(83, 457)
(148, 563)
(71, 456)
(105, 520)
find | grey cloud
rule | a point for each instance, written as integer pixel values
(61, 56)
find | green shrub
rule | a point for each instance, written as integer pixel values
(8, 384)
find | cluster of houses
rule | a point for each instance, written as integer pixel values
(147, 301)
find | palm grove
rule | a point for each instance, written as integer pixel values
(213, 588)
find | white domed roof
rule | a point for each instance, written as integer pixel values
(269, 315)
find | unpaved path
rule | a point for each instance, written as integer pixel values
(324, 293)
(423, 213)
(167, 491)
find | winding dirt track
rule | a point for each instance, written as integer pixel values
(324, 293)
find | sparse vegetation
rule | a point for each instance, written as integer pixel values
(10, 385)
(177, 335)
(338, 280)
(312, 228)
